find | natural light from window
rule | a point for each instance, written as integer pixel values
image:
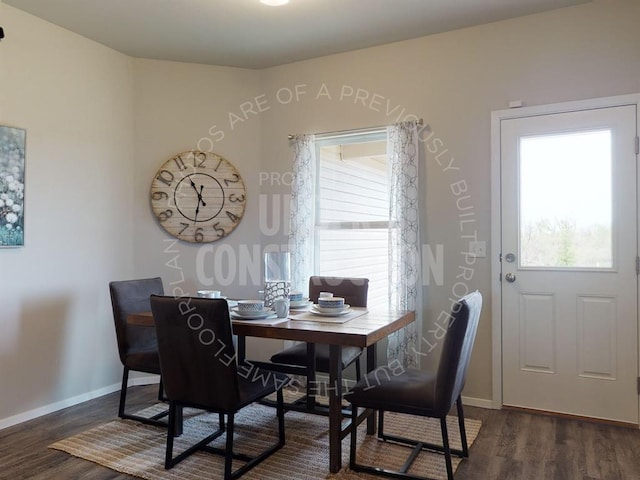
(565, 200)
(352, 233)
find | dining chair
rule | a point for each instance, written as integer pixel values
(199, 370)
(137, 345)
(315, 357)
(423, 393)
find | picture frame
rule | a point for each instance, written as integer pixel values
(12, 180)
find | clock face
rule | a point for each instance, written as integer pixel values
(198, 196)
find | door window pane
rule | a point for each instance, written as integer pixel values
(565, 200)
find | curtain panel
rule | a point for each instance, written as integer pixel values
(405, 279)
(302, 219)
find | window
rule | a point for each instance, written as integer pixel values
(566, 219)
(352, 219)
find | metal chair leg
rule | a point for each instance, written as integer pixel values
(463, 431)
(123, 392)
(280, 413)
(228, 458)
(447, 450)
(168, 462)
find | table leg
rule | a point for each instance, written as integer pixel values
(312, 386)
(335, 408)
(371, 366)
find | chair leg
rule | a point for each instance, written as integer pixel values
(280, 414)
(228, 457)
(171, 428)
(354, 439)
(161, 396)
(445, 444)
(123, 392)
(463, 431)
(358, 370)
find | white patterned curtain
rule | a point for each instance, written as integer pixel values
(405, 281)
(302, 221)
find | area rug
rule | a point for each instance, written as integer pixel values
(136, 449)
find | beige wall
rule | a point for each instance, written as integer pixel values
(74, 98)
(80, 101)
(453, 81)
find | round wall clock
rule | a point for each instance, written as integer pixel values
(198, 196)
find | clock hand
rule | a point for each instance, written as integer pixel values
(195, 219)
(200, 196)
(193, 185)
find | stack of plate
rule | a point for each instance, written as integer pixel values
(264, 313)
(300, 304)
(330, 311)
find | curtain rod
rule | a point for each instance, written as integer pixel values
(419, 121)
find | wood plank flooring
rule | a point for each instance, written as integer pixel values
(511, 446)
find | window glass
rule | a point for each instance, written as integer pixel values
(565, 200)
(352, 218)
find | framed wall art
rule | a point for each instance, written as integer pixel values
(12, 159)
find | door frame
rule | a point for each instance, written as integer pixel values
(496, 212)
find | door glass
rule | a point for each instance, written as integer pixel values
(565, 200)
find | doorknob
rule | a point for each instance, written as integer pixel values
(510, 277)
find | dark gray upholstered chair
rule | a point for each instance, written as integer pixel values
(137, 345)
(354, 291)
(424, 393)
(199, 370)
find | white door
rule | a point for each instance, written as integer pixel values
(569, 250)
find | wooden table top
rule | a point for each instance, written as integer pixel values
(361, 331)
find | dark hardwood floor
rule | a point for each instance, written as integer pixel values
(511, 445)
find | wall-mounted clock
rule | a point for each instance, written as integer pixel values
(198, 197)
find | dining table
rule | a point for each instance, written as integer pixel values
(364, 330)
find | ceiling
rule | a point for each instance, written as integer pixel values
(245, 33)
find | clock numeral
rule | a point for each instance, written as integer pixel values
(236, 198)
(184, 227)
(218, 166)
(236, 179)
(234, 218)
(179, 162)
(199, 159)
(166, 177)
(159, 196)
(198, 236)
(219, 230)
(164, 216)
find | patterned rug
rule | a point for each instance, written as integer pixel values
(136, 449)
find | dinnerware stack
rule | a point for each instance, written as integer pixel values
(251, 310)
(330, 306)
(250, 306)
(210, 294)
(298, 301)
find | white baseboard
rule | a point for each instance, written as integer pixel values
(70, 402)
(477, 402)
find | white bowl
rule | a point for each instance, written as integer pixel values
(209, 293)
(333, 302)
(250, 306)
(296, 297)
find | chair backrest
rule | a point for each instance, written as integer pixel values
(132, 296)
(353, 290)
(456, 350)
(197, 356)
